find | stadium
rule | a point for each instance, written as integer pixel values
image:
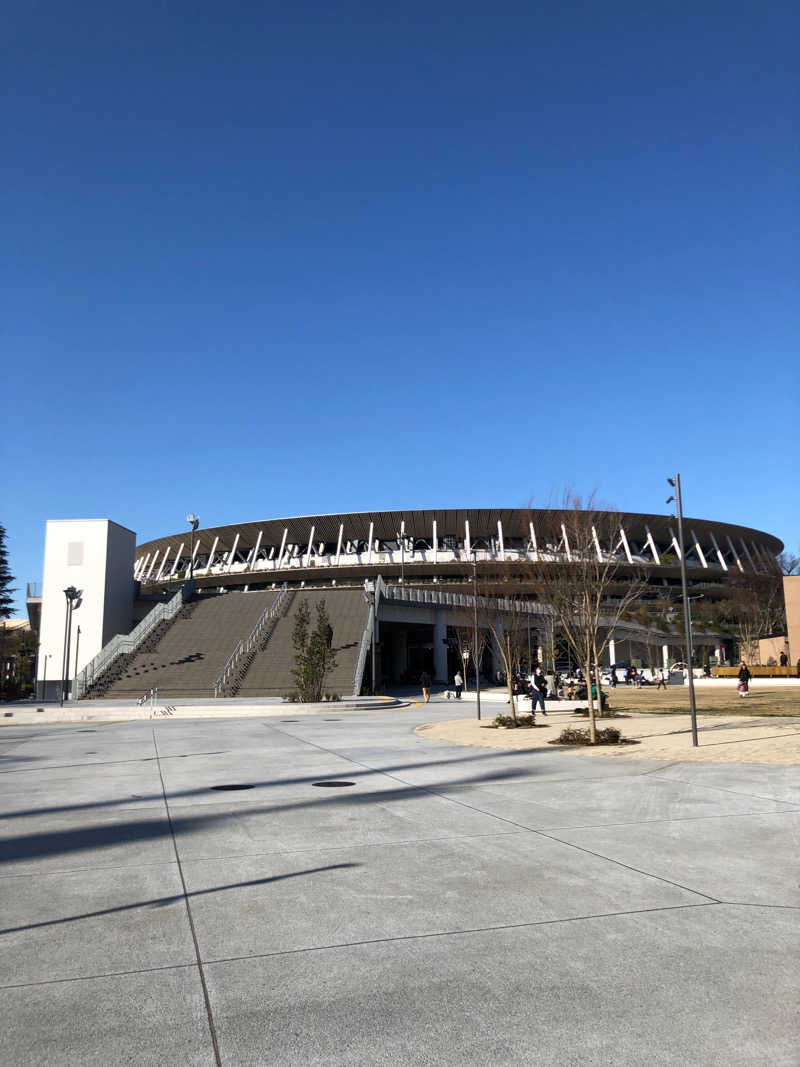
(205, 612)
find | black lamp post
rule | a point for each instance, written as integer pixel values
(687, 621)
(194, 522)
(72, 594)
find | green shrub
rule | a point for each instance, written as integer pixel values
(524, 721)
(290, 698)
(576, 735)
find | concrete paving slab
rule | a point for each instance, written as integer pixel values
(83, 789)
(634, 799)
(84, 923)
(662, 988)
(150, 1018)
(774, 781)
(301, 900)
(81, 840)
(320, 820)
(747, 859)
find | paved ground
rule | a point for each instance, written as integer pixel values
(452, 906)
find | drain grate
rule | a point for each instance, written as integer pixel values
(331, 720)
(290, 720)
(232, 787)
(333, 785)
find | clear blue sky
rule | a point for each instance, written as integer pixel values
(264, 260)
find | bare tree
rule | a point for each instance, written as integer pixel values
(789, 562)
(465, 639)
(756, 609)
(505, 621)
(582, 573)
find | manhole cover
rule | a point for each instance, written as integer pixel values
(331, 720)
(290, 720)
(333, 785)
(231, 788)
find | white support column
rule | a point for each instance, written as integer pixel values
(232, 556)
(735, 553)
(155, 560)
(339, 543)
(210, 557)
(467, 538)
(143, 565)
(665, 656)
(612, 652)
(699, 550)
(501, 542)
(719, 654)
(747, 553)
(435, 543)
(164, 559)
(254, 560)
(534, 546)
(678, 548)
(279, 562)
(566, 542)
(309, 546)
(177, 559)
(369, 543)
(652, 545)
(196, 550)
(597, 545)
(625, 545)
(762, 556)
(720, 556)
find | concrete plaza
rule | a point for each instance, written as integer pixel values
(452, 905)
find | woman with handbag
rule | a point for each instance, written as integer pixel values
(744, 680)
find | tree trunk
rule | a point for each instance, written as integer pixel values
(509, 681)
(592, 724)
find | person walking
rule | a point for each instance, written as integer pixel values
(538, 690)
(425, 682)
(458, 682)
(784, 660)
(662, 681)
(744, 680)
(613, 677)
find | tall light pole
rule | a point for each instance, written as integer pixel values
(401, 537)
(476, 652)
(77, 645)
(194, 522)
(72, 594)
(370, 594)
(687, 622)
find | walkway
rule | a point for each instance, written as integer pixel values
(452, 906)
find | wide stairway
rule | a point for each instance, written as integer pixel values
(189, 657)
(270, 673)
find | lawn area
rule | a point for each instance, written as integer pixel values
(717, 701)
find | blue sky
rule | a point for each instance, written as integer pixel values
(265, 260)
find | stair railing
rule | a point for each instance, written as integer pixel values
(246, 644)
(127, 643)
(366, 637)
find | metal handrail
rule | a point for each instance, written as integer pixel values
(462, 600)
(229, 664)
(127, 643)
(366, 637)
(244, 645)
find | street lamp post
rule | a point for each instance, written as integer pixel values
(475, 629)
(77, 645)
(72, 594)
(194, 522)
(465, 657)
(44, 678)
(687, 622)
